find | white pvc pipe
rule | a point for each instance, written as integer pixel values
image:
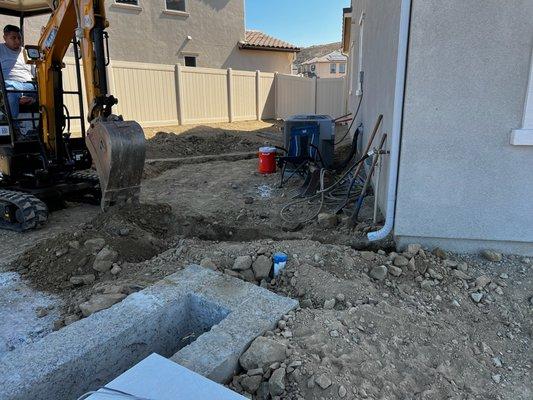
(399, 90)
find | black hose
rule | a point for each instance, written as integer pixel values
(353, 151)
(353, 120)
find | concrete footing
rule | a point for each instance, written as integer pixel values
(201, 319)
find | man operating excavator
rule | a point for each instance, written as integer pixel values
(18, 74)
(52, 164)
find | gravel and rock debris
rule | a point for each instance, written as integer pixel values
(90, 268)
(373, 322)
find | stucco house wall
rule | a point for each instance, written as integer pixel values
(323, 70)
(462, 184)
(147, 33)
(321, 66)
(263, 60)
(380, 35)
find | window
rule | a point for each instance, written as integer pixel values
(190, 61)
(524, 136)
(333, 68)
(342, 68)
(128, 2)
(313, 68)
(175, 5)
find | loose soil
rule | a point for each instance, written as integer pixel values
(415, 333)
(213, 139)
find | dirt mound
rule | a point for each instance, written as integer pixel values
(427, 326)
(170, 145)
(135, 233)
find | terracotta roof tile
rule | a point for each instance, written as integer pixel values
(259, 40)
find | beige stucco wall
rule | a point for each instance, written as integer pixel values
(462, 185)
(148, 34)
(267, 61)
(322, 69)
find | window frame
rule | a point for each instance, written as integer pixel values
(524, 135)
(333, 68)
(127, 6)
(185, 57)
(184, 12)
(342, 68)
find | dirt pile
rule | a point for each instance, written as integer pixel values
(99, 253)
(170, 145)
(384, 325)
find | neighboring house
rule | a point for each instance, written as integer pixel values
(454, 82)
(203, 33)
(332, 65)
(260, 49)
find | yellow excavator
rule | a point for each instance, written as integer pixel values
(41, 161)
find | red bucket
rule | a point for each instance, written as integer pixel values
(267, 160)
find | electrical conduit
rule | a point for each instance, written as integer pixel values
(401, 63)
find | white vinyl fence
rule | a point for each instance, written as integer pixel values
(163, 95)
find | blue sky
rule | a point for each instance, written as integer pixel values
(300, 22)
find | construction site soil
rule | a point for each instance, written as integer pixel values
(208, 140)
(372, 324)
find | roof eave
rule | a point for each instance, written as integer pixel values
(28, 13)
(346, 34)
(245, 46)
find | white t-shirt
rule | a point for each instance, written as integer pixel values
(14, 66)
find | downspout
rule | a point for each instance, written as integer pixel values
(399, 91)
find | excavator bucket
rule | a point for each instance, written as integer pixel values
(118, 149)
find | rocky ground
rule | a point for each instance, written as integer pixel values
(387, 326)
(372, 324)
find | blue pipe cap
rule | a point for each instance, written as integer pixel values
(280, 257)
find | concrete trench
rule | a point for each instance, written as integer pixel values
(201, 319)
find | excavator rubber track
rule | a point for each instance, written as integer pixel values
(21, 211)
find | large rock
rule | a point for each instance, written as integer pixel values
(401, 261)
(100, 302)
(368, 255)
(241, 263)
(379, 273)
(262, 353)
(94, 245)
(323, 381)
(476, 296)
(482, 281)
(104, 259)
(248, 275)
(438, 252)
(208, 263)
(78, 280)
(326, 220)
(276, 383)
(491, 255)
(460, 274)
(413, 248)
(251, 383)
(262, 266)
(395, 271)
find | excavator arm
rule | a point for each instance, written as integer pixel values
(117, 147)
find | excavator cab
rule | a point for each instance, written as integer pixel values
(41, 159)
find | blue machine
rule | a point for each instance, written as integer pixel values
(301, 137)
(302, 131)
